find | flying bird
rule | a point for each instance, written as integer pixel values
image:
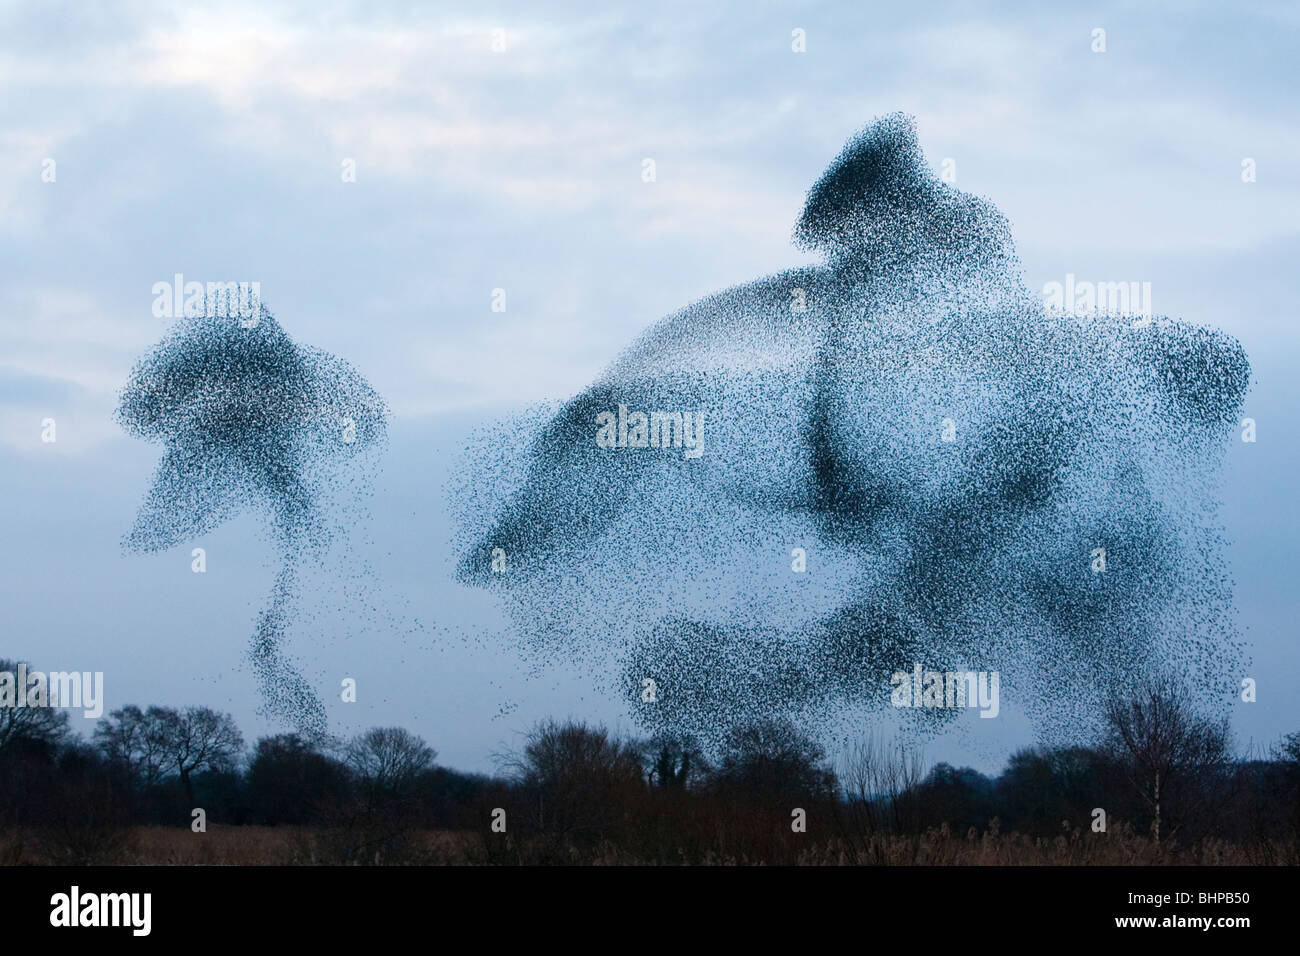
(985, 480)
(249, 421)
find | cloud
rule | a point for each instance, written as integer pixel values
(210, 140)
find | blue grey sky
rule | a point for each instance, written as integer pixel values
(212, 143)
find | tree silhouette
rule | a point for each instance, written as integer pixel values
(289, 781)
(673, 762)
(578, 779)
(199, 738)
(161, 742)
(1170, 753)
(387, 761)
(774, 757)
(44, 727)
(131, 738)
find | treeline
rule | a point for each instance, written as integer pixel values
(1159, 786)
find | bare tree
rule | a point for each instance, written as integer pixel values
(290, 781)
(160, 742)
(44, 725)
(773, 757)
(131, 738)
(578, 778)
(1287, 753)
(879, 780)
(673, 762)
(388, 760)
(1170, 752)
(377, 818)
(199, 738)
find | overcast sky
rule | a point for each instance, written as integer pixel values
(213, 143)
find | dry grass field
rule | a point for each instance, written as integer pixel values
(288, 846)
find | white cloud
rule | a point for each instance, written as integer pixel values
(542, 146)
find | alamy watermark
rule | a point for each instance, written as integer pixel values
(212, 300)
(922, 688)
(1074, 297)
(75, 908)
(633, 429)
(70, 689)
